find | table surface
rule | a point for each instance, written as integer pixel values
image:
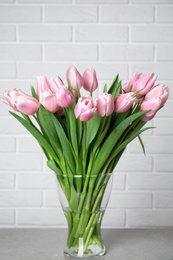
(121, 244)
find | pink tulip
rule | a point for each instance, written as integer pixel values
(20, 101)
(160, 91)
(90, 82)
(64, 97)
(74, 77)
(105, 104)
(85, 108)
(151, 104)
(132, 81)
(49, 100)
(143, 85)
(124, 101)
(42, 84)
(55, 84)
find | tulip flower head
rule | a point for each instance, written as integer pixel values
(90, 82)
(42, 84)
(85, 108)
(144, 84)
(105, 104)
(55, 84)
(64, 97)
(160, 91)
(74, 77)
(124, 101)
(151, 104)
(49, 100)
(20, 101)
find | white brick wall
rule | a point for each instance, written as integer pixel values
(113, 36)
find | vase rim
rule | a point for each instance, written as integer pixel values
(83, 176)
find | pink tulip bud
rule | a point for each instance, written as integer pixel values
(133, 79)
(48, 100)
(105, 104)
(85, 108)
(74, 77)
(20, 101)
(160, 91)
(124, 101)
(64, 97)
(151, 104)
(55, 84)
(90, 82)
(42, 84)
(143, 85)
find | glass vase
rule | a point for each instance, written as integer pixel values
(84, 200)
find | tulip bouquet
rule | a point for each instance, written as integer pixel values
(84, 137)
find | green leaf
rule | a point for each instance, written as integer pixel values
(112, 139)
(51, 164)
(114, 87)
(34, 93)
(105, 88)
(92, 128)
(73, 130)
(35, 132)
(65, 144)
(47, 125)
(142, 144)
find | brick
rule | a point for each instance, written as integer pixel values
(163, 70)
(8, 144)
(52, 199)
(10, 125)
(153, 144)
(134, 163)
(163, 199)
(118, 181)
(71, 52)
(36, 181)
(20, 198)
(101, 33)
(151, 2)
(45, 33)
(130, 200)
(20, 14)
(164, 53)
(20, 162)
(167, 110)
(126, 52)
(45, 1)
(28, 144)
(42, 217)
(7, 180)
(152, 33)
(101, 1)
(127, 14)
(71, 14)
(106, 71)
(164, 14)
(7, 70)
(164, 163)
(113, 218)
(7, 216)
(20, 52)
(32, 70)
(150, 218)
(162, 181)
(164, 126)
(7, 33)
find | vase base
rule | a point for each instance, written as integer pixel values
(92, 251)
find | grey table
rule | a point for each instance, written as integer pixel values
(121, 244)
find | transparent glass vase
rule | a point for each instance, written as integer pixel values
(84, 200)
